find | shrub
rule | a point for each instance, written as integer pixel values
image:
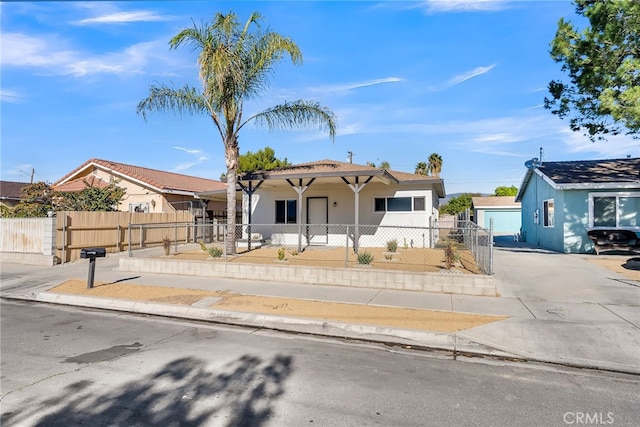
(451, 255)
(294, 252)
(281, 254)
(215, 252)
(392, 245)
(388, 256)
(166, 244)
(365, 258)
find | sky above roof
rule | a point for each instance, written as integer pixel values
(464, 79)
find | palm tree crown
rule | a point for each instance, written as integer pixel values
(235, 62)
(435, 164)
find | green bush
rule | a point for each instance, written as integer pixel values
(281, 254)
(392, 245)
(215, 252)
(365, 258)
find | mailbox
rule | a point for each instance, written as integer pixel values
(92, 254)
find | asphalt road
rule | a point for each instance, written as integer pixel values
(69, 367)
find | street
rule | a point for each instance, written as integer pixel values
(70, 366)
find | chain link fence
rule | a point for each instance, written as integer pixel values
(465, 249)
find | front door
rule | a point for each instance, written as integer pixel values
(317, 220)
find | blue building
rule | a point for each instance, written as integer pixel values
(503, 211)
(561, 201)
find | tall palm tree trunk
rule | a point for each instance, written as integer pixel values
(231, 158)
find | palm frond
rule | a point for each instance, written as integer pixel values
(296, 115)
(186, 100)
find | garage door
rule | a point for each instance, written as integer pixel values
(504, 221)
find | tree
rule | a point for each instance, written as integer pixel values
(603, 95)
(264, 160)
(421, 168)
(435, 164)
(36, 200)
(235, 62)
(385, 165)
(91, 199)
(505, 191)
(458, 204)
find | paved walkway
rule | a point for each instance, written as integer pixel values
(562, 308)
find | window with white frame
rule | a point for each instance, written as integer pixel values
(398, 204)
(286, 211)
(614, 210)
(548, 213)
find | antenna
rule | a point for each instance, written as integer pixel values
(541, 151)
(350, 156)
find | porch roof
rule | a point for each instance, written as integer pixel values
(321, 169)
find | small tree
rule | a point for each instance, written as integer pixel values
(261, 160)
(458, 204)
(505, 191)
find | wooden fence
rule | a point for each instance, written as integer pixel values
(77, 230)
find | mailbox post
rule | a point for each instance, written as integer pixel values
(92, 254)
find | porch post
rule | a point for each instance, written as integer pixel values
(249, 191)
(356, 187)
(300, 189)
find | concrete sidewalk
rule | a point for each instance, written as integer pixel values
(589, 317)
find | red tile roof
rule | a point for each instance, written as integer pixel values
(163, 181)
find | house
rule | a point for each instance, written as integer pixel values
(562, 201)
(503, 211)
(147, 190)
(10, 193)
(332, 195)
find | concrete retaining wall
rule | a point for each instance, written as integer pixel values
(463, 284)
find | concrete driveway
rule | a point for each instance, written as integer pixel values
(523, 271)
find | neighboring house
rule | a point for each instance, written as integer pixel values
(561, 201)
(331, 192)
(10, 192)
(147, 190)
(504, 211)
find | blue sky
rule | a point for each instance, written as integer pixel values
(464, 79)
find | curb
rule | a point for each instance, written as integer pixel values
(377, 334)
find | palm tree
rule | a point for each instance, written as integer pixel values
(421, 168)
(435, 164)
(235, 62)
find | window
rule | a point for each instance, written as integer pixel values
(613, 210)
(139, 207)
(548, 213)
(398, 204)
(286, 211)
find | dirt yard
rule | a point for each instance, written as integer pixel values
(427, 320)
(626, 265)
(409, 259)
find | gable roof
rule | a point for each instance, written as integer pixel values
(495, 202)
(336, 169)
(81, 183)
(587, 174)
(10, 190)
(161, 181)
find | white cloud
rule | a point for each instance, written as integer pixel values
(616, 146)
(50, 55)
(350, 86)
(460, 78)
(184, 166)
(123, 17)
(10, 96)
(437, 6)
(188, 150)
